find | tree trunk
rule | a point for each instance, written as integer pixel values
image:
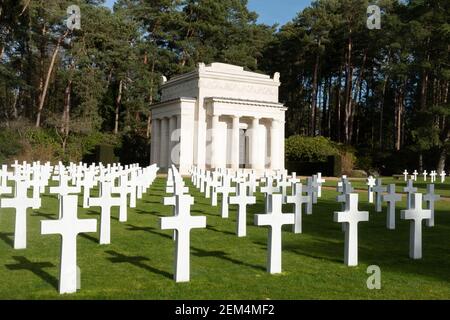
(149, 118)
(446, 135)
(323, 123)
(424, 85)
(16, 99)
(117, 111)
(47, 80)
(399, 107)
(383, 94)
(443, 154)
(314, 94)
(66, 114)
(348, 88)
(329, 113)
(353, 103)
(338, 106)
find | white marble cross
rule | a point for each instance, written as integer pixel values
(194, 175)
(370, 184)
(391, 198)
(312, 182)
(311, 192)
(36, 183)
(63, 189)
(405, 173)
(182, 223)
(351, 216)
(268, 190)
(172, 201)
(169, 181)
(69, 226)
(4, 174)
(180, 188)
(345, 189)
(425, 175)
(415, 173)
(200, 178)
(20, 203)
(319, 181)
(430, 197)
(442, 174)
(341, 183)
(122, 190)
(283, 183)
(275, 219)
(416, 214)
(253, 183)
(87, 183)
(132, 188)
(409, 189)
(378, 189)
(433, 175)
(105, 202)
(242, 200)
(225, 189)
(207, 185)
(298, 199)
(293, 180)
(214, 184)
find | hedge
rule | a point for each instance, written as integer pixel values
(309, 149)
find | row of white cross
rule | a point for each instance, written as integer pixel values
(220, 181)
(112, 180)
(236, 189)
(432, 175)
(414, 209)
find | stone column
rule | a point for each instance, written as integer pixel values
(156, 141)
(254, 154)
(172, 141)
(178, 140)
(235, 144)
(274, 145)
(214, 140)
(164, 149)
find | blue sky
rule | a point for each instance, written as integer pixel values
(271, 11)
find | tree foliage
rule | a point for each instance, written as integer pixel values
(380, 91)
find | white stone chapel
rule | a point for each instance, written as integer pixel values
(219, 116)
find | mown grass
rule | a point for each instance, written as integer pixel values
(139, 262)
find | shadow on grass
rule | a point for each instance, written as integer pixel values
(137, 261)
(88, 237)
(92, 213)
(7, 237)
(49, 216)
(222, 255)
(205, 213)
(323, 239)
(221, 231)
(37, 268)
(154, 202)
(148, 229)
(152, 213)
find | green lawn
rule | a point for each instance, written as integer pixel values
(139, 262)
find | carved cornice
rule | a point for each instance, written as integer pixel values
(258, 103)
